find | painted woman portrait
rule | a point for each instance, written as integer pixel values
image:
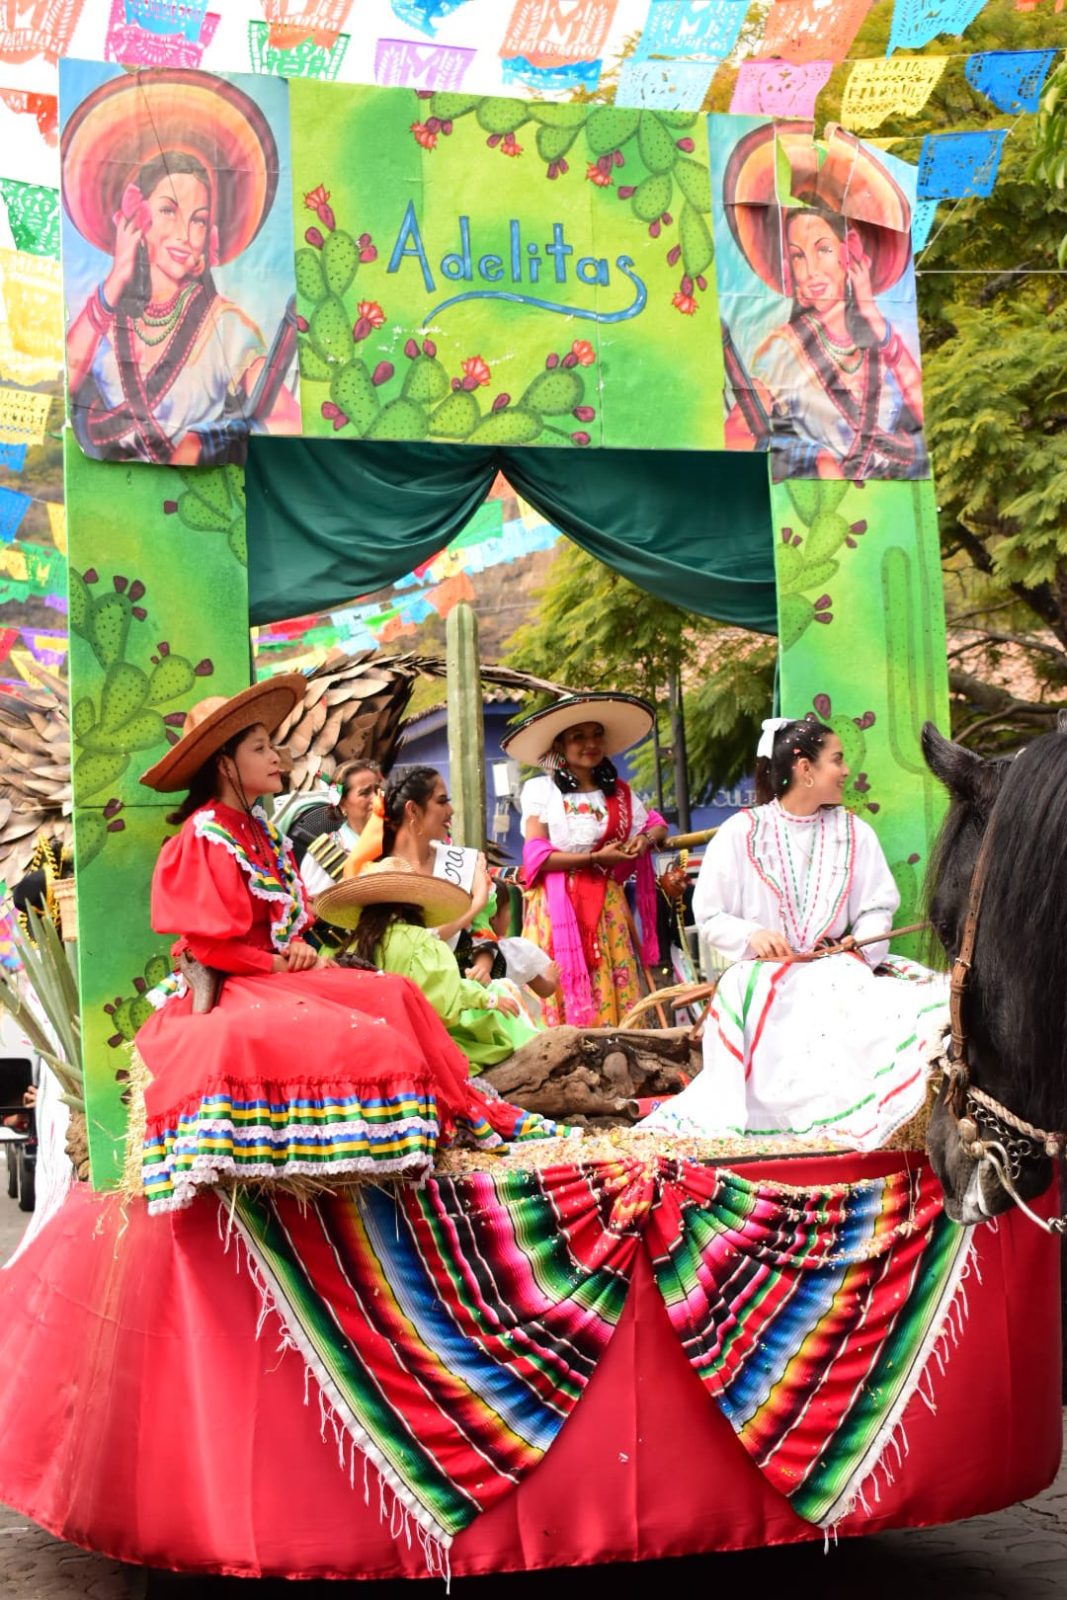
(833, 390)
(170, 176)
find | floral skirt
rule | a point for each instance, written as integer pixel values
(616, 982)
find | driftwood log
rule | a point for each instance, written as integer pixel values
(594, 1076)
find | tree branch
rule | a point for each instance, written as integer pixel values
(1026, 641)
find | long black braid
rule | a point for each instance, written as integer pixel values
(408, 783)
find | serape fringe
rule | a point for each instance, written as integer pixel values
(451, 1328)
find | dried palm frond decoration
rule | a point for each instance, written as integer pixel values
(354, 709)
(35, 791)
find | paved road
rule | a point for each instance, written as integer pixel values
(1019, 1554)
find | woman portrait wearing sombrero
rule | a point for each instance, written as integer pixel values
(170, 176)
(585, 833)
(834, 391)
(298, 1066)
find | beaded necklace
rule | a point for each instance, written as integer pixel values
(162, 318)
(799, 908)
(841, 354)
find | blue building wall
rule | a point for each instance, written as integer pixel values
(426, 744)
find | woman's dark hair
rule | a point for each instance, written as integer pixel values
(805, 737)
(604, 774)
(409, 783)
(860, 330)
(138, 291)
(205, 779)
(374, 923)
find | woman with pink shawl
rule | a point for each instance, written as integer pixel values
(585, 833)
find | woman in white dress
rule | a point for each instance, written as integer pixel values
(585, 833)
(835, 1047)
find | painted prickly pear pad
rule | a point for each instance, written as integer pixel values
(862, 629)
(502, 271)
(158, 620)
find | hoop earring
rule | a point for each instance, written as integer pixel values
(809, 783)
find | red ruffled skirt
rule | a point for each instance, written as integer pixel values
(327, 1073)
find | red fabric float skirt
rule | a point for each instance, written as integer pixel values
(140, 1417)
(326, 1072)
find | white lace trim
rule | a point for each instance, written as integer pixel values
(281, 896)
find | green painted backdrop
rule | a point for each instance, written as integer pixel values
(158, 620)
(862, 635)
(522, 176)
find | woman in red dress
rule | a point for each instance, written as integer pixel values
(301, 1067)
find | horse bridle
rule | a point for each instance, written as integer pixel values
(988, 1131)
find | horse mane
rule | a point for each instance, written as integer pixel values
(1019, 972)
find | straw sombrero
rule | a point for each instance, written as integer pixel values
(392, 881)
(211, 722)
(838, 173)
(624, 718)
(137, 118)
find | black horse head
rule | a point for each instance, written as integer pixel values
(1015, 1003)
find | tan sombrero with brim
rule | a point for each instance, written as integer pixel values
(392, 881)
(211, 722)
(137, 118)
(838, 173)
(624, 718)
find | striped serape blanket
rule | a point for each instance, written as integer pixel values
(451, 1328)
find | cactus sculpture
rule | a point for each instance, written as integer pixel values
(466, 728)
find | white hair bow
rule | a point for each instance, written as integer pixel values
(770, 727)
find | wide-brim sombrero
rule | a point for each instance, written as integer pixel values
(838, 173)
(392, 881)
(625, 719)
(139, 117)
(210, 723)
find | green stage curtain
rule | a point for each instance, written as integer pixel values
(332, 519)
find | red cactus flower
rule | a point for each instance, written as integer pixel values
(169, 507)
(597, 175)
(686, 144)
(684, 303)
(583, 350)
(317, 197)
(382, 373)
(314, 238)
(583, 413)
(411, 349)
(509, 147)
(674, 255)
(625, 190)
(371, 316)
(424, 136)
(580, 438)
(475, 372)
(501, 402)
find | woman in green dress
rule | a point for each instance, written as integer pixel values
(395, 912)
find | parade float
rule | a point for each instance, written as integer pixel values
(397, 289)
